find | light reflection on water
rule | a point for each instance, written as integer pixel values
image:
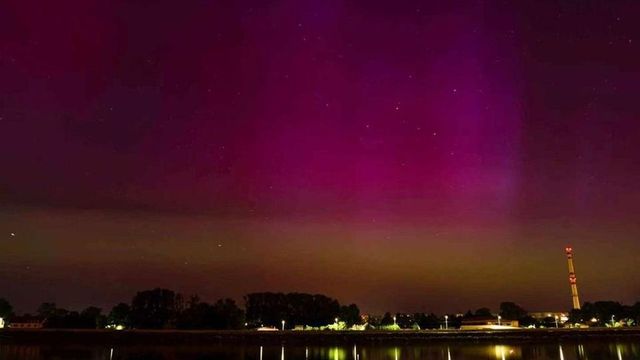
(593, 350)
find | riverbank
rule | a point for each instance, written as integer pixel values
(197, 337)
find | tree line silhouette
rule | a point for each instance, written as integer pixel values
(165, 309)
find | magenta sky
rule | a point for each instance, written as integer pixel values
(400, 155)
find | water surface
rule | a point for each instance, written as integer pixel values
(593, 350)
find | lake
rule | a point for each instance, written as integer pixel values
(587, 350)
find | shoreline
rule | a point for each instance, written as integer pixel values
(252, 337)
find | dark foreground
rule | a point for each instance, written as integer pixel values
(248, 337)
(550, 350)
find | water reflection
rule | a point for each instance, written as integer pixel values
(581, 354)
(459, 351)
(338, 353)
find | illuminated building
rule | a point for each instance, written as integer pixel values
(542, 315)
(489, 323)
(26, 322)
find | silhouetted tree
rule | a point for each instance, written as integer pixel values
(120, 315)
(527, 321)
(634, 313)
(455, 321)
(373, 320)
(349, 314)
(387, 319)
(197, 315)
(510, 310)
(92, 318)
(55, 317)
(59, 318)
(576, 316)
(600, 313)
(224, 314)
(266, 308)
(228, 314)
(155, 309)
(6, 310)
(405, 321)
(295, 308)
(47, 309)
(313, 310)
(483, 312)
(430, 321)
(62, 319)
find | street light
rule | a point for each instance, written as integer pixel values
(394, 321)
(613, 322)
(556, 321)
(446, 321)
(499, 318)
(282, 325)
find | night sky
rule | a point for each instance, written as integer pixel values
(403, 155)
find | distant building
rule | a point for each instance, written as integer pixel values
(267, 328)
(541, 315)
(26, 322)
(488, 323)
